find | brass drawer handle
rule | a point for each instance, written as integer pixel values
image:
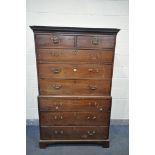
(55, 117)
(75, 51)
(55, 40)
(56, 86)
(92, 118)
(56, 70)
(61, 132)
(92, 104)
(101, 109)
(55, 132)
(58, 105)
(95, 41)
(93, 87)
(91, 133)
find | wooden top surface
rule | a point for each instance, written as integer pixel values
(74, 29)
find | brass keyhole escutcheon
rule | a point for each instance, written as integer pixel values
(74, 69)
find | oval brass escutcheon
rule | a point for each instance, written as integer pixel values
(74, 69)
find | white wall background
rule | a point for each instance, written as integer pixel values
(81, 13)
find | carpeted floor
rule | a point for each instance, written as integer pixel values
(119, 144)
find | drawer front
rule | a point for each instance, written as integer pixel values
(54, 41)
(63, 104)
(74, 118)
(74, 133)
(95, 42)
(74, 87)
(75, 71)
(69, 55)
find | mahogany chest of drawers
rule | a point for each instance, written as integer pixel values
(75, 67)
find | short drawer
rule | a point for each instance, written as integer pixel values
(74, 118)
(74, 87)
(54, 41)
(74, 133)
(70, 55)
(74, 104)
(75, 71)
(95, 42)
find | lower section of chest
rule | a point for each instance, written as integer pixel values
(74, 119)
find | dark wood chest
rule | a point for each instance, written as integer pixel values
(75, 67)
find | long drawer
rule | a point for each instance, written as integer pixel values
(75, 55)
(74, 118)
(74, 87)
(74, 133)
(74, 104)
(75, 71)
